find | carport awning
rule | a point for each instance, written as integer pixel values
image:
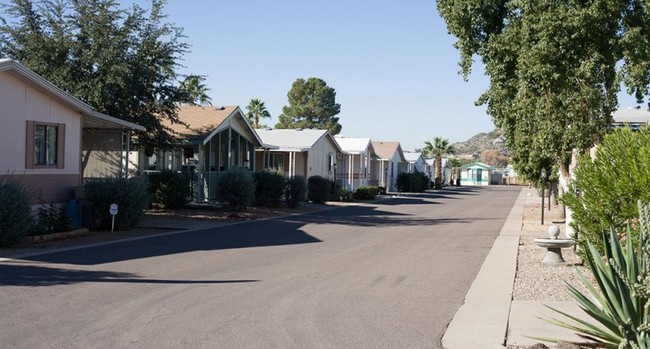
(101, 121)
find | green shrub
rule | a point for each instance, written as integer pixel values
(169, 189)
(295, 191)
(236, 189)
(51, 219)
(16, 220)
(619, 301)
(131, 196)
(381, 190)
(606, 189)
(412, 182)
(368, 192)
(318, 189)
(334, 189)
(269, 187)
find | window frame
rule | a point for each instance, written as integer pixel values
(31, 158)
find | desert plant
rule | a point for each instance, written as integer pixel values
(620, 301)
(606, 188)
(169, 189)
(317, 189)
(131, 195)
(16, 220)
(236, 189)
(295, 191)
(366, 193)
(269, 187)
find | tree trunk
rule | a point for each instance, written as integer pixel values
(566, 175)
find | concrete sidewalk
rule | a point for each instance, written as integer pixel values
(489, 318)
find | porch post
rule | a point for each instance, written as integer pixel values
(351, 171)
(229, 156)
(128, 150)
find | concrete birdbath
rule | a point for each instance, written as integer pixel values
(553, 246)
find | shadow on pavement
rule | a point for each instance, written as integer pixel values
(250, 234)
(29, 275)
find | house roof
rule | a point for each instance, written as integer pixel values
(631, 116)
(90, 117)
(201, 123)
(294, 140)
(353, 145)
(412, 156)
(477, 164)
(385, 150)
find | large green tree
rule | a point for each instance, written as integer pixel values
(121, 61)
(256, 110)
(438, 148)
(554, 67)
(312, 104)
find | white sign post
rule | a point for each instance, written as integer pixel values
(113, 212)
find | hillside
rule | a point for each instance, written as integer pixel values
(473, 147)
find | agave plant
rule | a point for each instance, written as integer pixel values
(620, 301)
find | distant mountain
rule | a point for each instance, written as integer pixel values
(473, 147)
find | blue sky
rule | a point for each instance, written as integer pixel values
(392, 63)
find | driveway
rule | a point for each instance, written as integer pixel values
(385, 275)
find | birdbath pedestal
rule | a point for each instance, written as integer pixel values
(553, 246)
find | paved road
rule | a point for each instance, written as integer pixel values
(385, 275)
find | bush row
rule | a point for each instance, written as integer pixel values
(237, 189)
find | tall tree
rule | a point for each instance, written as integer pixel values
(494, 158)
(120, 61)
(554, 69)
(438, 148)
(256, 110)
(195, 90)
(312, 104)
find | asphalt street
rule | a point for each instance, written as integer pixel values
(389, 274)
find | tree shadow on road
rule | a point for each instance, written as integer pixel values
(32, 276)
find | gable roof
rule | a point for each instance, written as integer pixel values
(412, 156)
(385, 150)
(90, 117)
(294, 140)
(201, 123)
(352, 145)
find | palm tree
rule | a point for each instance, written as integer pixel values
(438, 149)
(256, 110)
(195, 90)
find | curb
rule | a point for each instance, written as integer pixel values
(57, 236)
(486, 308)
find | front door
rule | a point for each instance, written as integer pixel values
(479, 175)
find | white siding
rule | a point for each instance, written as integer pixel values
(319, 158)
(20, 102)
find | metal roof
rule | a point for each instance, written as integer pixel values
(353, 145)
(295, 140)
(634, 116)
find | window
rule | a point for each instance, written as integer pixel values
(277, 161)
(330, 165)
(45, 143)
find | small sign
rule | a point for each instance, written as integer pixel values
(113, 209)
